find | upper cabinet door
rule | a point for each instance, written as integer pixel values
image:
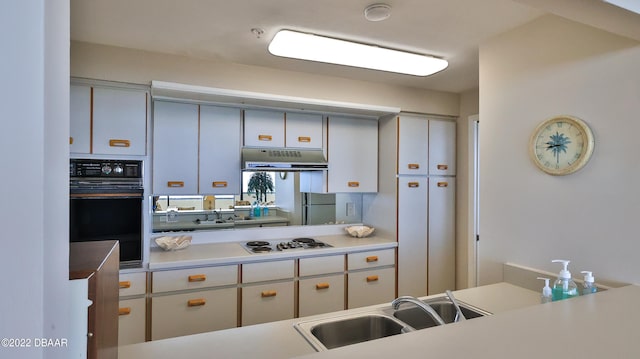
(303, 130)
(119, 121)
(352, 155)
(263, 128)
(220, 168)
(80, 119)
(175, 148)
(442, 148)
(413, 145)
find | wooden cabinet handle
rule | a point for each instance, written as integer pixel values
(124, 284)
(443, 167)
(372, 278)
(322, 286)
(306, 139)
(265, 137)
(443, 184)
(372, 259)
(413, 184)
(196, 302)
(119, 143)
(353, 184)
(71, 140)
(197, 278)
(413, 166)
(219, 184)
(268, 293)
(124, 311)
(175, 184)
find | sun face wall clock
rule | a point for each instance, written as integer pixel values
(561, 145)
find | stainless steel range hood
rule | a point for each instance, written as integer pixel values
(283, 159)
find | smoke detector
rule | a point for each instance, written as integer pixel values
(377, 12)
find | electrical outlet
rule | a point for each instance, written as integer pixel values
(351, 209)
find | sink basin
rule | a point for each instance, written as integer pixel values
(418, 319)
(337, 332)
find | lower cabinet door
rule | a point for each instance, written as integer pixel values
(321, 295)
(267, 302)
(131, 321)
(370, 287)
(194, 312)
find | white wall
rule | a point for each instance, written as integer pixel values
(135, 66)
(34, 107)
(548, 67)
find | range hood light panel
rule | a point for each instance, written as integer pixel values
(318, 48)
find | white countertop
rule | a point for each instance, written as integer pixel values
(234, 252)
(281, 340)
(601, 325)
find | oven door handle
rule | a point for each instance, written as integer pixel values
(104, 195)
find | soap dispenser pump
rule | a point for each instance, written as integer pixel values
(564, 287)
(546, 296)
(588, 286)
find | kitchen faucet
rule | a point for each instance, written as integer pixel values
(422, 305)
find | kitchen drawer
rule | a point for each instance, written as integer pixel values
(131, 321)
(194, 312)
(194, 278)
(321, 265)
(371, 259)
(320, 295)
(371, 287)
(264, 271)
(267, 302)
(133, 284)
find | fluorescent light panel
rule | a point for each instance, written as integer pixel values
(312, 47)
(631, 5)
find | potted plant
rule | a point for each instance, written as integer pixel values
(261, 183)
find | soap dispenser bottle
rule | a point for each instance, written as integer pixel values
(588, 286)
(564, 287)
(546, 296)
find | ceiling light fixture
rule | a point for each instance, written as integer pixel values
(377, 12)
(631, 5)
(312, 47)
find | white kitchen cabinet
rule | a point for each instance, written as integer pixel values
(262, 303)
(131, 321)
(321, 285)
(413, 146)
(80, 119)
(132, 308)
(370, 278)
(219, 150)
(442, 148)
(119, 121)
(352, 154)
(263, 128)
(193, 312)
(442, 234)
(303, 130)
(413, 246)
(267, 291)
(424, 201)
(175, 148)
(194, 300)
(108, 120)
(196, 149)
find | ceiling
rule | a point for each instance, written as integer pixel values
(220, 30)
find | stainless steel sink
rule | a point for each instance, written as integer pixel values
(418, 319)
(338, 331)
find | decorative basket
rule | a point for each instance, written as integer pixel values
(359, 231)
(170, 243)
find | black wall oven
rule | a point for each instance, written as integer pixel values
(106, 199)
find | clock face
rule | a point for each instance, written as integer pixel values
(561, 145)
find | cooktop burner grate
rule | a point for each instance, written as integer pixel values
(294, 244)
